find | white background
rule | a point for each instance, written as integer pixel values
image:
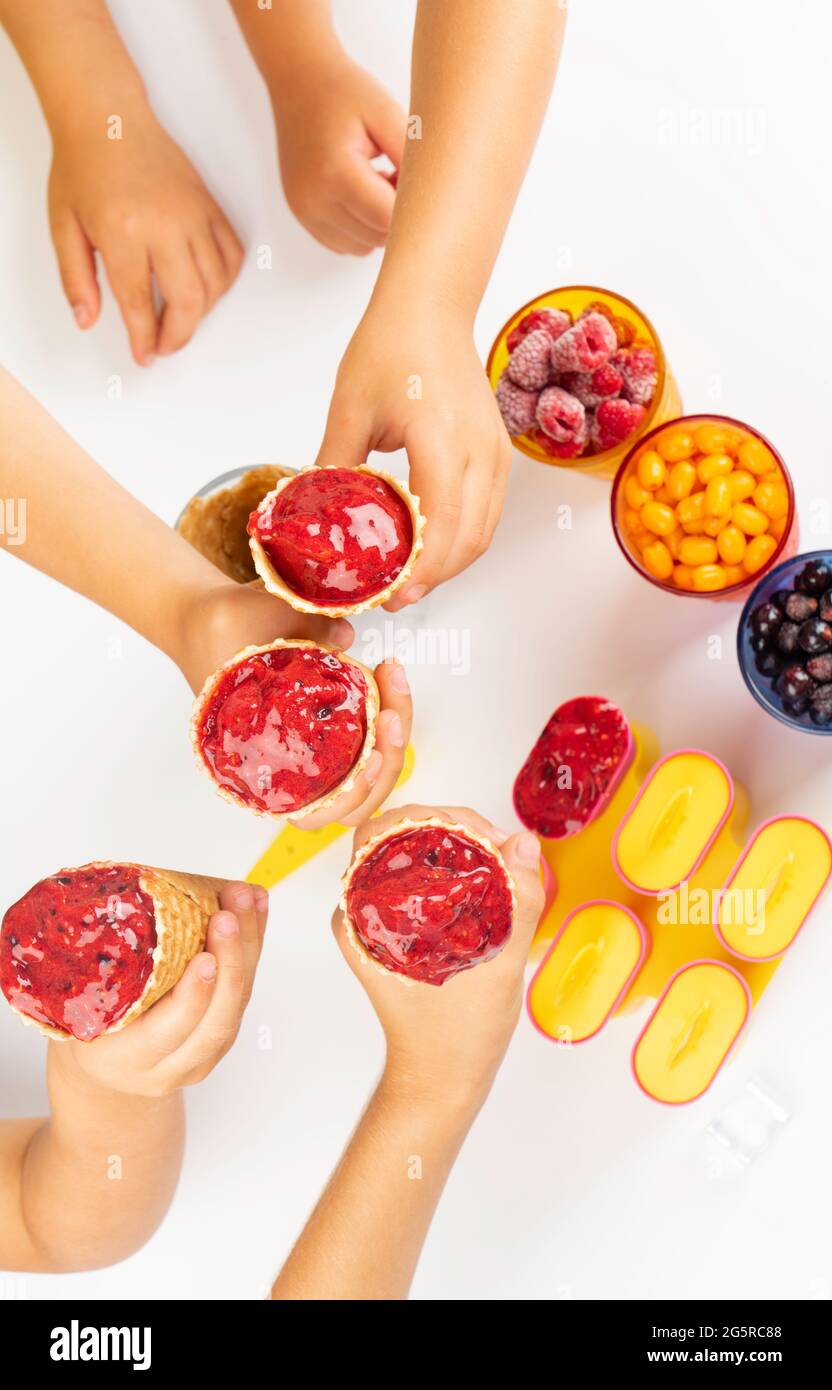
(572, 1183)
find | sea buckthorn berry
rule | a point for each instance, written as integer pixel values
(635, 494)
(742, 484)
(715, 524)
(734, 574)
(718, 500)
(754, 456)
(675, 446)
(749, 519)
(681, 481)
(771, 498)
(713, 466)
(658, 560)
(662, 495)
(674, 540)
(707, 579)
(683, 577)
(758, 553)
(777, 529)
(713, 439)
(691, 509)
(731, 544)
(698, 550)
(652, 470)
(658, 518)
(634, 524)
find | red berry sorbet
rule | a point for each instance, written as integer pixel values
(77, 950)
(284, 727)
(335, 535)
(573, 768)
(430, 902)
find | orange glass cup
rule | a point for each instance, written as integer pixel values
(666, 402)
(626, 518)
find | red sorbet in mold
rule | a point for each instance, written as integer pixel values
(77, 950)
(336, 536)
(284, 727)
(430, 902)
(573, 767)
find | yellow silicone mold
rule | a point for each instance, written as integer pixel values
(587, 971)
(690, 1032)
(676, 816)
(773, 888)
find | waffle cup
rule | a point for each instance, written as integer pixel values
(372, 705)
(276, 584)
(183, 903)
(216, 525)
(371, 845)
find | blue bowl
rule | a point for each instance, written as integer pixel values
(761, 687)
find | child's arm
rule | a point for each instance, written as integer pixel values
(331, 119)
(75, 523)
(119, 185)
(444, 1047)
(482, 73)
(88, 1186)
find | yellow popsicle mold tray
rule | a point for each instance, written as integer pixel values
(657, 899)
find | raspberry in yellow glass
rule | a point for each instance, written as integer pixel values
(717, 496)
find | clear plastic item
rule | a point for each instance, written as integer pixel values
(746, 1126)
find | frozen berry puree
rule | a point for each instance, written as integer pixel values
(573, 768)
(335, 535)
(283, 727)
(430, 902)
(77, 950)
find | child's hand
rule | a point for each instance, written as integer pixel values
(413, 380)
(451, 1040)
(140, 203)
(332, 119)
(182, 1037)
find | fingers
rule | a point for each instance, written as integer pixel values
(184, 293)
(371, 197)
(346, 441)
(218, 1026)
(211, 266)
(239, 899)
(437, 477)
(231, 248)
(382, 771)
(387, 127)
(76, 263)
(129, 273)
(521, 855)
(167, 1025)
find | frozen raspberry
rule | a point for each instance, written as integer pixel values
(560, 415)
(615, 421)
(640, 374)
(592, 387)
(586, 345)
(555, 322)
(606, 381)
(571, 449)
(530, 364)
(517, 406)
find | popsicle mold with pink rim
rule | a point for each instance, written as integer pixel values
(694, 1027)
(773, 888)
(673, 821)
(574, 767)
(587, 971)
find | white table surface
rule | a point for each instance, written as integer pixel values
(683, 162)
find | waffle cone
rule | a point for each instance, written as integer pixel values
(276, 584)
(183, 904)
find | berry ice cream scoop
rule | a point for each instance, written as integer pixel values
(428, 899)
(574, 767)
(336, 540)
(286, 727)
(86, 951)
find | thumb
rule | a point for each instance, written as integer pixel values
(346, 442)
(388, 129)
(521, 855)
(76, 263)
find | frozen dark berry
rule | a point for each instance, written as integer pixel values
(781, 598)
(814, 578)
(588, 344)
(795, 687)
(769, 663)
(554, 321)
(825, 607)
(820, 707)
(786, 639)
(765, 620)
(517, 406)
(815, 636)
(820, 668)
(530, 365)
(561, 415)
(799, 607)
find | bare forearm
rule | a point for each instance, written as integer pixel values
(285, 38)
(76, 524)
(95, 1179)
(364, 1238)
(482, 74)
(75, 58)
